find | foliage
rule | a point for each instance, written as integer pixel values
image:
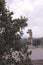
(10, 40)
(36, 42)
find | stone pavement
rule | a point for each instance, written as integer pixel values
(37, 62)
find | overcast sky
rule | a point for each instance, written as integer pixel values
(33, 10)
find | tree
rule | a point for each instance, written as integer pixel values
(10, 40)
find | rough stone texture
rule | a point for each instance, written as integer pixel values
(37, 62)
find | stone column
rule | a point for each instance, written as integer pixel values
(30, 36)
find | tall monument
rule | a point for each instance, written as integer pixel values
(30, 36)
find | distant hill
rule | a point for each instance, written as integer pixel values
(41, 42)
(36, 41)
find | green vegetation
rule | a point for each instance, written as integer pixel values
(41, 39)
(36, 42)
(10, 40)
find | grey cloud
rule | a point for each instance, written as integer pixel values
(36, 18)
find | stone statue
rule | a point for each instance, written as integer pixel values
(30, 36)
